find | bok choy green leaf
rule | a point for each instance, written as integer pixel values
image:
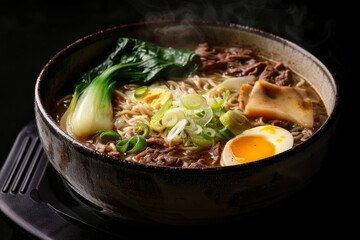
(132, 61)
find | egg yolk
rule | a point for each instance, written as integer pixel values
(251, 148)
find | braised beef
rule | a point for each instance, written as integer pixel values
(279, 75)
(170, 156)
(242, 62)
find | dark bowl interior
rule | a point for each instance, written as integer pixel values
(134, 192)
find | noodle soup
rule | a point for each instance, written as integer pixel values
(236, 108)
(163, 162)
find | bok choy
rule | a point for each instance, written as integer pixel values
(132, 61)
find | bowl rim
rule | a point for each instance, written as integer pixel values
(114, 30)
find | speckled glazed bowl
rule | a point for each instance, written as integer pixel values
(175, 196)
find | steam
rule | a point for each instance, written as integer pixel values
(288, 20)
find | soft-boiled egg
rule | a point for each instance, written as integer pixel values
(255, 144)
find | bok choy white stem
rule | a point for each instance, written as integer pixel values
(91, 110)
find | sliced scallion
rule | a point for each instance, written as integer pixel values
(235, 121)
(122, 145)
(137, 144)
(206, 116)
(109, 136)
(133, 145)
(193, 101)
(226, 133)
(193, 128)
(200, 141)
(141, 91)
(142, 129)
(155, 122)
(208, 133)
(172, 117)
(176, 130)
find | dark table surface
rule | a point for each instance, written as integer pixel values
(30, 34)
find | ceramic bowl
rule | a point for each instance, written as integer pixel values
(176, 196)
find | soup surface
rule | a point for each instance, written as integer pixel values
(237, 107)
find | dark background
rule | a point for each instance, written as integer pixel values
(32, 33)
